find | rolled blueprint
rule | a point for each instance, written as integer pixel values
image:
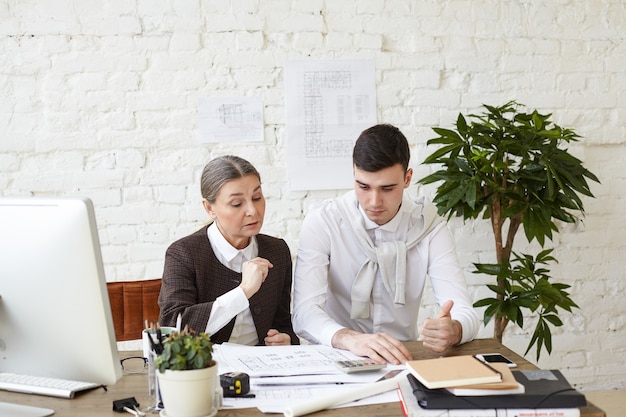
(343, 396)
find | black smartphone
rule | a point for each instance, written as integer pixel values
(496, 358)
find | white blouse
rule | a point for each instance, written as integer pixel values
(233, 303)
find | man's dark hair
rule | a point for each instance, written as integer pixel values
(379, 147)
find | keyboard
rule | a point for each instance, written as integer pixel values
(53, 387)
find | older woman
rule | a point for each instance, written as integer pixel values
(227, 279)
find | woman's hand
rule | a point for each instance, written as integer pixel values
(253, 273)
(274, 338)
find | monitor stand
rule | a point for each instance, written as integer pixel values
(19, 410)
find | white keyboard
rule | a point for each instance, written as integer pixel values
(53, 387)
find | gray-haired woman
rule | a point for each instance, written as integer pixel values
(227, 279)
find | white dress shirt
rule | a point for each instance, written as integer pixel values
(328, 261)
(233, 303)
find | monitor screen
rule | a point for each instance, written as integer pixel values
(55, 316)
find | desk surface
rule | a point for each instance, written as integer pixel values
(99, 402)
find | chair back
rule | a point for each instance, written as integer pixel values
(132, 303)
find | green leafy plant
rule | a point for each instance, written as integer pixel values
(524, 284)
(513, 168)
(185, 350)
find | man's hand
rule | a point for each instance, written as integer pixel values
(275, 338)
(442, 332)
(380, 347)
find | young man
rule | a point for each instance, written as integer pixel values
(363, 259)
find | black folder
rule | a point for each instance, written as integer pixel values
(543, 389)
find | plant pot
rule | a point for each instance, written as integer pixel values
(188, 393)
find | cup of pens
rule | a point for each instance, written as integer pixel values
(152, 340)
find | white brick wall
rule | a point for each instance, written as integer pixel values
(100, 99)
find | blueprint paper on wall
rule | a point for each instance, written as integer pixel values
(230, 119)
(328, 104)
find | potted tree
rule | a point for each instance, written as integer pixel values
(513, 168)
(187, 375)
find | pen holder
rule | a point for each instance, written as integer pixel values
(146, 333)
(153, 382)
(150, 355)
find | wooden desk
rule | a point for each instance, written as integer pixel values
(99, 402)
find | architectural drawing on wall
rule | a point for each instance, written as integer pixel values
(328, 103)
(230, 119)
(231, 115)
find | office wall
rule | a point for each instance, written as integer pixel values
(101, 98)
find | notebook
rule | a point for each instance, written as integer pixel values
(543, 389)
(509, 385)
(453, 371)
(410, 408)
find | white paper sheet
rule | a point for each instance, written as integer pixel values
(328, 104)
(230, 119)
(269, 361)
(277, 400)
(340, 378)
(343, 396)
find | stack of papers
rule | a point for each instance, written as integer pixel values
(545, 393)
(465, 386)
(284, 376)
(410, 408)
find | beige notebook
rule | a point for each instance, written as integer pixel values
(453, 371)
(509, 385)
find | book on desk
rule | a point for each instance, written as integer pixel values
(543, 389)
(453, 371)
(508, 385)
(411, 408)
(443, 383)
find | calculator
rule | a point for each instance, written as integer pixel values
(359, 365)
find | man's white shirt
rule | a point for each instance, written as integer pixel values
(328, 261)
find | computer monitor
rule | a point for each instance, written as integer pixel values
(55, 316)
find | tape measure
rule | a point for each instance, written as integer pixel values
(235, 383)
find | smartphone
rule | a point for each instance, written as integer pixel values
(496, 358)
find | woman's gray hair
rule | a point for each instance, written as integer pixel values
(222, 169)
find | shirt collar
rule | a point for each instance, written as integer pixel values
(228, 251)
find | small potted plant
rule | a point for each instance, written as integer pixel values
(187, 374)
